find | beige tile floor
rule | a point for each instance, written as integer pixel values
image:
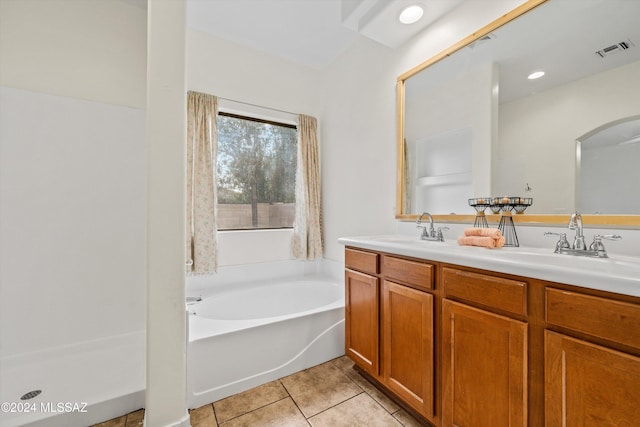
(331, 394)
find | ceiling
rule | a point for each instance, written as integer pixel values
(314, 32)
(310, 32)
(560, 37)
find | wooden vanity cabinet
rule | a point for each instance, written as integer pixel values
(362, 294)
(407, 321)
(587, 384)
(484, 354)
(361, 320)
(407, 345)
(389, 324)
(466, 347)
(484, 368)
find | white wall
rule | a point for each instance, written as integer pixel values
(230, 71)
(359, 151)
(537, 140)
(72, 190)
(91, 49)
(359, 123)
(72, 220)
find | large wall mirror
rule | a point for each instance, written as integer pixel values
(472, 124)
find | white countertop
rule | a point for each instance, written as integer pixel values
(619, 274)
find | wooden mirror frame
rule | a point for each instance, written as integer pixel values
(615, 221)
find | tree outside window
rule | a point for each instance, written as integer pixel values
(256, 168)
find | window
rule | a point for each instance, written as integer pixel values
(256, 169)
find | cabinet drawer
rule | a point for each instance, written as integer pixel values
(414, 273)
(600, 317)
(366, 262)
(503, 294)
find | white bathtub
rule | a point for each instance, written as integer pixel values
(244, 335)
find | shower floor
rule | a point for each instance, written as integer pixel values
(98, 376)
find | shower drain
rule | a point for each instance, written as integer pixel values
(30, 395)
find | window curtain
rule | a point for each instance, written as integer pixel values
(307, 227)
(202, 147)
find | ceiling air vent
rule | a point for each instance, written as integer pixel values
(615, 48)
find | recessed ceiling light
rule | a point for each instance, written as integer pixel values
(536, 75)
(411, 14)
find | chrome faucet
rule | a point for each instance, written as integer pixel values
(575, 223)
(430, 234)
(425, 233)
(579, 247)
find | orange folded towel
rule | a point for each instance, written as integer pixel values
(483, 241)
(488, 232)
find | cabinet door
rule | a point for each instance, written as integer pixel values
(484, 365)
(407, 328)
(589, 386)
(361, 320)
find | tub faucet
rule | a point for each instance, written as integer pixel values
(193, 300)
(575, 223)
(431, 232)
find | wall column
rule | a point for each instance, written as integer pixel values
(166, 391)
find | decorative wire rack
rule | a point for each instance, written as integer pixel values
(509, 205)
(480, 204)
(505, 205)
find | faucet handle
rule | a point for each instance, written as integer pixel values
(562, 243)
(597, 245)
(424, 233)
(608, 236)
(440, 235)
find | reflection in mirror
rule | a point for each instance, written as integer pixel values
(439, 170)
(448, 143)
(607, 164)
(507, 135)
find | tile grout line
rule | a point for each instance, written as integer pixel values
(396, 418)
(369, 394)
(294, 401)
(253, 410)
(339, 403)
(354, 396)
(215, 417)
